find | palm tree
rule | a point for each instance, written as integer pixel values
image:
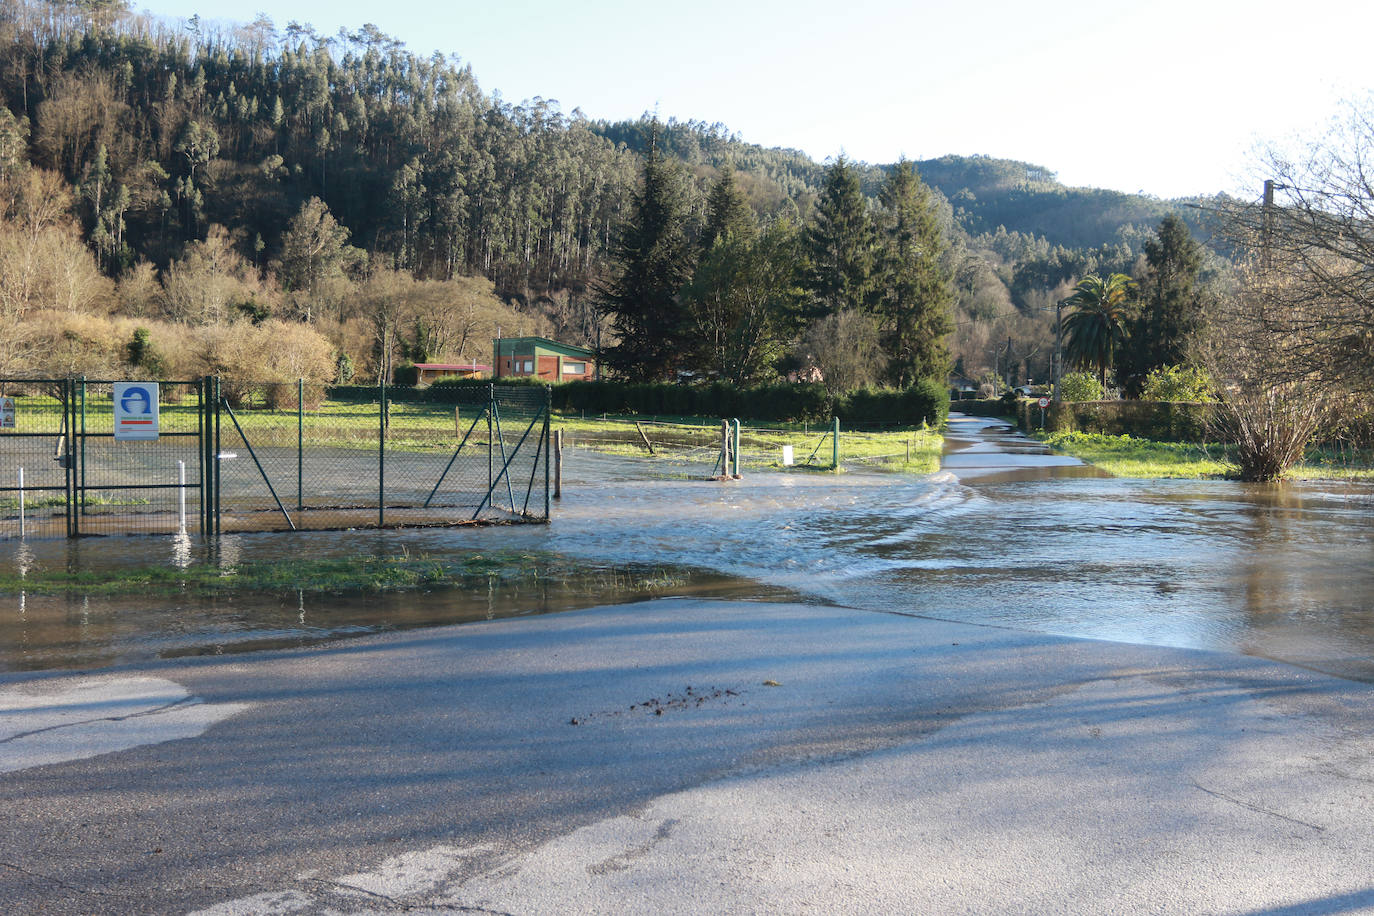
(1097, 325)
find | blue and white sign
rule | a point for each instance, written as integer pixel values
(135, 410)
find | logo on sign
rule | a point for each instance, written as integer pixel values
(135, 410)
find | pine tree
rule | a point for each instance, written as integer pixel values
(916, 288)
(841, 244)
(1172, 303)
(727, 212)
(653, 261)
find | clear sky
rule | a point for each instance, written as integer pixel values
(1167, 97)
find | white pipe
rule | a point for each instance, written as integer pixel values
(21, 502)
(181, 495)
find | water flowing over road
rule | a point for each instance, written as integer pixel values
(1006, 535)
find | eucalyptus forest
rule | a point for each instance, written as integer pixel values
(178, 194)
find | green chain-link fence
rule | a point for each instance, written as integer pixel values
(232, 463)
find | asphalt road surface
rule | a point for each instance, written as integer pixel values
(688, 756)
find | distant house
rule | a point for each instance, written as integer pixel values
(425, 373)
(961, 388)
(543, 358)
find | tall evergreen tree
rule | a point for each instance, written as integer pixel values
(841, 244)
(654, 259)
(744, 299)
(916, 289)
(727, 212)
(1171, 307)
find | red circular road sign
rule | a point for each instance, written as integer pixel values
(1044, 402)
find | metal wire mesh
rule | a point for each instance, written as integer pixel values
(137, 487)
(33, 478)
(289, 461)
(348, 465)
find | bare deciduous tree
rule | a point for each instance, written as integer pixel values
(1316, 229)
(1273, 395)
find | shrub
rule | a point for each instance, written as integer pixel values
(1080, 386)
(1180, 384)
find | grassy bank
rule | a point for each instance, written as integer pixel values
(1126, 456)
(483, 571)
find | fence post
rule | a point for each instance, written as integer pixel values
(300, 444)
(381, 453)
(725, 448)
(69, 450)
(835, 446)
(203, 411)
(548, 424)
(81, 475)
(491, 446)
(181, 497)
(218, 480)
(739, 472)
(558, 465)
(21, 503)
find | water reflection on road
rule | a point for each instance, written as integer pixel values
(1005, 535)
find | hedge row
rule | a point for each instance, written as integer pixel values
(927, 402)
(1165, 421)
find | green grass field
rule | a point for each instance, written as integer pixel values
(914, 450)
(438, 427)
(1126, 456)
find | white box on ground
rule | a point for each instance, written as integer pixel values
(787, 460)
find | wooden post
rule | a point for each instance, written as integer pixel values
(647, 443)
(457, 422)
(558, 464)
(724, 449)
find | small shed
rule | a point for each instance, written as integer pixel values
(425, 373)
(543, 358)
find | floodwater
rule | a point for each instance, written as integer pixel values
(1004, 535)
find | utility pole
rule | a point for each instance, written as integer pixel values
(1057, 370)
(1267, 229)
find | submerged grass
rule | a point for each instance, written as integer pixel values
(1127, 456)
(347, 575)
(914, 450)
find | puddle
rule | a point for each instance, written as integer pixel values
(1006, 537)
(74, 632)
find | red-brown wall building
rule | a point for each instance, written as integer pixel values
(543, 358)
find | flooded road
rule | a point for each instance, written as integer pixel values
(1005, 535)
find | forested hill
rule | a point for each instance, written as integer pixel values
(984, 192)
(199, 173)
(987, 193)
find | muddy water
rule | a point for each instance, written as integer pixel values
(1005, 535)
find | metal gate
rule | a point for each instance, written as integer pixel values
(65, 471)
(214, 465)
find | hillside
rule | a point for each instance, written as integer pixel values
(205, 173)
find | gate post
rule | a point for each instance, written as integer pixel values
(548, 451)
(68, 449)
(215, 451)
(381, 453)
